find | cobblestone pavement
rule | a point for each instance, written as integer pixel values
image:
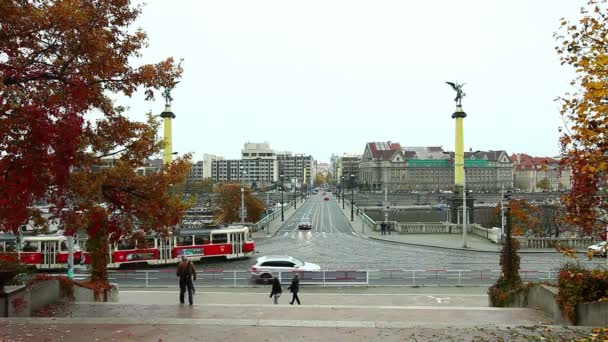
(333, 244)
(13, 331)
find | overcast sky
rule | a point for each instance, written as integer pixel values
(323, 77)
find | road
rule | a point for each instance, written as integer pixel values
(333, 245)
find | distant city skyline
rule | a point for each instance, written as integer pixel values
(326, 77)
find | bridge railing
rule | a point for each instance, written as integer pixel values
(261, 224)
(365, 220)
(552, 242)
(387, 277)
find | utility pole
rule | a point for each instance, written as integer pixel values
(243, 196)
(502, 212)
(464, 210)
(352, 199)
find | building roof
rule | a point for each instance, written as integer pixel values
(523, 161)
(382, 150)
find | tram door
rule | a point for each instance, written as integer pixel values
(237, 240)
(165, 246)
(49, 250)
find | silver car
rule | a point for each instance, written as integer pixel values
(272, 265)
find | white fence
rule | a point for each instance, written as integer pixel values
(390, 277)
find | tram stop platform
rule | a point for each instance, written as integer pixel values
(326, 314)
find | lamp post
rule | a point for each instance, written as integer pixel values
(282, 216)
(295, 198)
(352, 205)
(243, 172)
(464, 210)
(342, 190)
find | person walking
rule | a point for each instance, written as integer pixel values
(186, 273)
(294, 288)
(276, 290)
(382, 228)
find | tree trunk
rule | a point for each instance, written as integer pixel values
(98, 245)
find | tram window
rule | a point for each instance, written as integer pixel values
(201, 239)
(30, 246)
(64, 246)
(219, 238)
(148, 242)
(122, 245)
(184, 240)
(10, 246)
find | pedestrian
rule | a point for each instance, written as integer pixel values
(294, 288)
(276, 290)
(390, 226)
(382, 228)
(186, 273)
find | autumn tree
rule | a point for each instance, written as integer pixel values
(583, 45)
(526, 218)
(319, 178)
(61, 61)
(229, 202)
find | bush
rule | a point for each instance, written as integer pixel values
(577, 284)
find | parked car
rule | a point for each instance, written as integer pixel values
(326, 198)
(599, 249)
(305, 224)
(270, 265)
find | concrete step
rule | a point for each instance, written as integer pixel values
(415, 297)
(340, 315)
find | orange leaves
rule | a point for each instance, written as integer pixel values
(230, 204)
(569, 252)
(584, 146)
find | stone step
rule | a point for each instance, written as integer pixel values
(255, 313)
(426, 297)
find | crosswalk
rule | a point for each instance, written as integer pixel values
(310, 234)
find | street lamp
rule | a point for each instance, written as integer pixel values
(464, 210)
(342, 190)
(295, 198)
(243, 172)
(282, 216)
(352, 205)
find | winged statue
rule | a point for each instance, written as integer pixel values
(459, 93)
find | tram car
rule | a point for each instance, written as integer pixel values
(45, 251)
(231, 242)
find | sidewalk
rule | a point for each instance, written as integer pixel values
(399, 314)
(445, 241)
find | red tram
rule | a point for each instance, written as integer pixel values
(231, 242)
(51, 251)
(48, 251)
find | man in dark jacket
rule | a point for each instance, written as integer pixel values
(186, 273)
(294, 288)
(276, 290)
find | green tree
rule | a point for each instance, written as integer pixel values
(329, 178)
(544, 184)
(319, 178)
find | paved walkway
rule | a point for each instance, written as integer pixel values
(451, 241)
(398, 314)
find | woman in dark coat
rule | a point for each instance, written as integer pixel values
(276, 289)
(294, 288)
